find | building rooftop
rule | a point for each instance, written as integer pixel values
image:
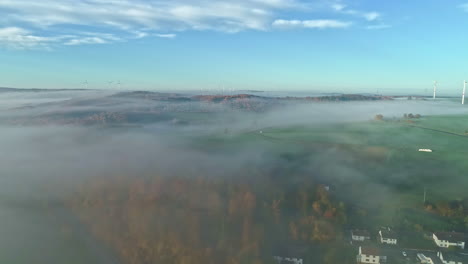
(450, 236)
(285, 261)
(388, 234)
(449, 256)
(363, 233)
(371, 251)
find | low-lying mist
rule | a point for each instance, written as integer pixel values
(54, 143)
(43, 139)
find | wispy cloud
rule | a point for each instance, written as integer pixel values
(464, 7)
(338, 7)
(319, 23)
(169, 36)
(136, 18)
(371, 16)
(343, 9)
(223, 15)
(47, 23)
(88, 40)
(19, 38)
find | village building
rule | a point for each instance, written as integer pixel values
(449, 258)
(449, 239)
(286, 260)
(290, 254)
(386, 236)
(423, 259)
(360, 235)
(370, 255)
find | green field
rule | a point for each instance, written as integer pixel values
(376, 164)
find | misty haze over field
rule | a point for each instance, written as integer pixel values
(56, 135)
(233, 132)
(59, 147)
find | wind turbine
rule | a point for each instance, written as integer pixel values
(85, 83)
(120, 84)
(435, 89)
(464, 91)
(109, 83)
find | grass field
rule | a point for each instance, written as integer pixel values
(376, 164)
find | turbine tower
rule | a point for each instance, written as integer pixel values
(120, 84)
(85, 83)
(464, 91)
(435, 89)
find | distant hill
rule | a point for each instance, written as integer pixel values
(145, 107)
(220, 98)
(348, 97)
(327, 98)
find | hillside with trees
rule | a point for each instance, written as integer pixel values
(206, 220)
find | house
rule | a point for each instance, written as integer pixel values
(370, 255)
(423, 259)
(290, 254)
(425, 150)
(283, 260)
(449, 239)
(387, 236)
(360, 235)
(449, 258)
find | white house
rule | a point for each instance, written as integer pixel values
(447, 258)
(423, 259)
(425, 150)
(449, 239)
(387, 237)
(370, 255)
(360, 235)
(282, 260)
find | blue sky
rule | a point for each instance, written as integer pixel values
(321, 45)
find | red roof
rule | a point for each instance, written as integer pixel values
(370, 251)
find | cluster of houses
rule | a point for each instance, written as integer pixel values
(447, 246)
(286, 260)
(290, 254)
(443, 240)
(449, 239)
(386, 236)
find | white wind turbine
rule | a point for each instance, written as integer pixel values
(464, 91)
(85, 83)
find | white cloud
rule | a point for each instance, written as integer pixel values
(338, 7)
(464, 7)
(169, 36)
(19, 38)
(132, 19)
(88, 40)
(318, 23)
(369, 16)
(54, 22)
(223, 15)
(139, 34)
